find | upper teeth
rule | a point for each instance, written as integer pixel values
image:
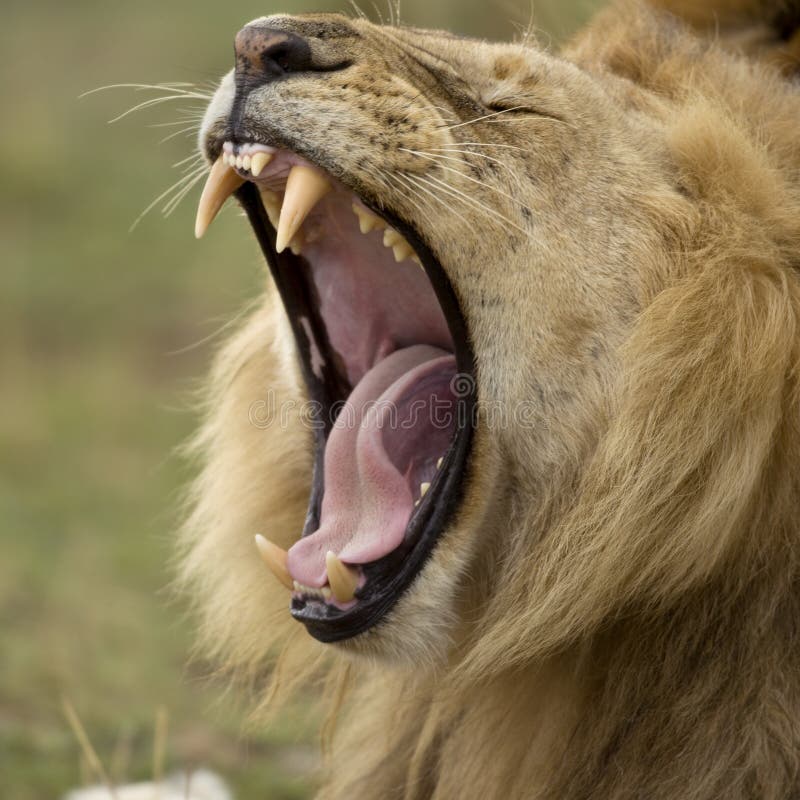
(367, 221)
(305, 187)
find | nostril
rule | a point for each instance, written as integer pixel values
(290, 54)
(271, 52)
(286, 57)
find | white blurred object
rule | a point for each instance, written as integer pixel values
(200, 785)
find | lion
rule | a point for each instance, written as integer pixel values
(517, 419)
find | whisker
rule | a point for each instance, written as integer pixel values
(433, 154)
(485, 117)
(438, 160)
(377, 12)
(489, 144)
(153, 101)
(472, 154)
(462, 159)
(435, 151)
(416, 180)
(415, 198)
(178, 185)
(464, 175)
(196, 120)
(191, 129)
(193, 157)
(473, 203)
(188, 89)
(358, 11)
(530, 117)
(172, 204)
(170, 207)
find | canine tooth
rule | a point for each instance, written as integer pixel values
(439, 463)
(343, 580)
(246, 162)
(402, 250)
(258, 162)
(222, 182)
(275, 558)
(304, 189)
(423, 489)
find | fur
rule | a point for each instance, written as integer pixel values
(614, 612)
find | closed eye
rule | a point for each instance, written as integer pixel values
(508, 108)
(503, 108)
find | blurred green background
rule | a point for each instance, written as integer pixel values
(104, 336)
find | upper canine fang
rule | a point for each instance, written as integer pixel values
(221, 184)
(305, 187)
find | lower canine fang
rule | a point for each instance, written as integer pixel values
(343, 580)
(275, 559)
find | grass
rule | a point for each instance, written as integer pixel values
(103, 337)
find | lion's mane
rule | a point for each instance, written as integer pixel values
(648, 646)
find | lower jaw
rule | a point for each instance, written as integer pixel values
(388, 578)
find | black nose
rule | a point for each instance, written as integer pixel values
(267, 53)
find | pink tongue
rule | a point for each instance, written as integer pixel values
(367, 502)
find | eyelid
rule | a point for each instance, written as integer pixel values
(508, 106)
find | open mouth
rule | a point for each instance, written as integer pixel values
(388, 367)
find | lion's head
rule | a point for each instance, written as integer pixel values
(526, 366)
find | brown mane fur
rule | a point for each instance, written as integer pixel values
(628, 626)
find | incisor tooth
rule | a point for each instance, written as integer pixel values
(221, 184)
(304, 189)
(246, 162)
(258, 162)
(275, 558)
(239, 162)
(342, 579)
